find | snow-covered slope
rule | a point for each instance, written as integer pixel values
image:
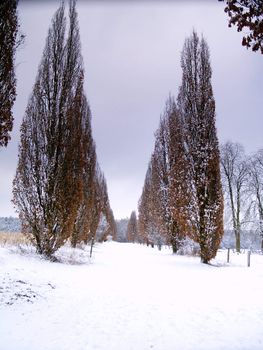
(130, 297)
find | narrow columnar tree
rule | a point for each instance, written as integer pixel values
(132, 231)
(181, 195)
(9, 41)
(112, 226)
(165, 157)
(146, 220)
(81, 229)
(161, 178)
(94, 211)
(166, 195)
(48, 186)
(95, 207)
(106, 211)
(151, 223)
(142, 214)
(197, 107)
(159, 198)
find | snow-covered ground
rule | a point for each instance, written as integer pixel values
(130, 297)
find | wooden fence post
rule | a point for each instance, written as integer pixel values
(228, 255)
(91, 247)
(248, 258)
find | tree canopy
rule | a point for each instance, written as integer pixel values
(247, 15)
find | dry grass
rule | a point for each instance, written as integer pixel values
(13, 239)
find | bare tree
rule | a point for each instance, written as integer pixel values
(255, 170)
(234, 173)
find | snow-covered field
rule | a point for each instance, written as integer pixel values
(130, 297)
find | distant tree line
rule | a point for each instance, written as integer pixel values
(59, 189)
(10, 224)
(121, 230)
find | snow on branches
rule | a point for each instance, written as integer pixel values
(182, 195)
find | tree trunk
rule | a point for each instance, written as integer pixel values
(174, 247)
(73, 242)
(238, 240)
(174, 243)
(204, 260)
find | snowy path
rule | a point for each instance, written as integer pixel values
(134, 298)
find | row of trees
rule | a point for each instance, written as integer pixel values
(243, 188)
(182, 194)
(57, 157)
(242, 180)
(59, 189)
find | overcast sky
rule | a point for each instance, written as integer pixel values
(131, 54)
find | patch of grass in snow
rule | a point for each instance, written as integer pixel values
(65, 255)
(19, 244)
(13, 239)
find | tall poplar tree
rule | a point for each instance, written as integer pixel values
(82, 230)
(166, 199)
(146, 209)
(180, 191)
(163, 174)
(197, 107)
(106, 211)
(48, 186)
